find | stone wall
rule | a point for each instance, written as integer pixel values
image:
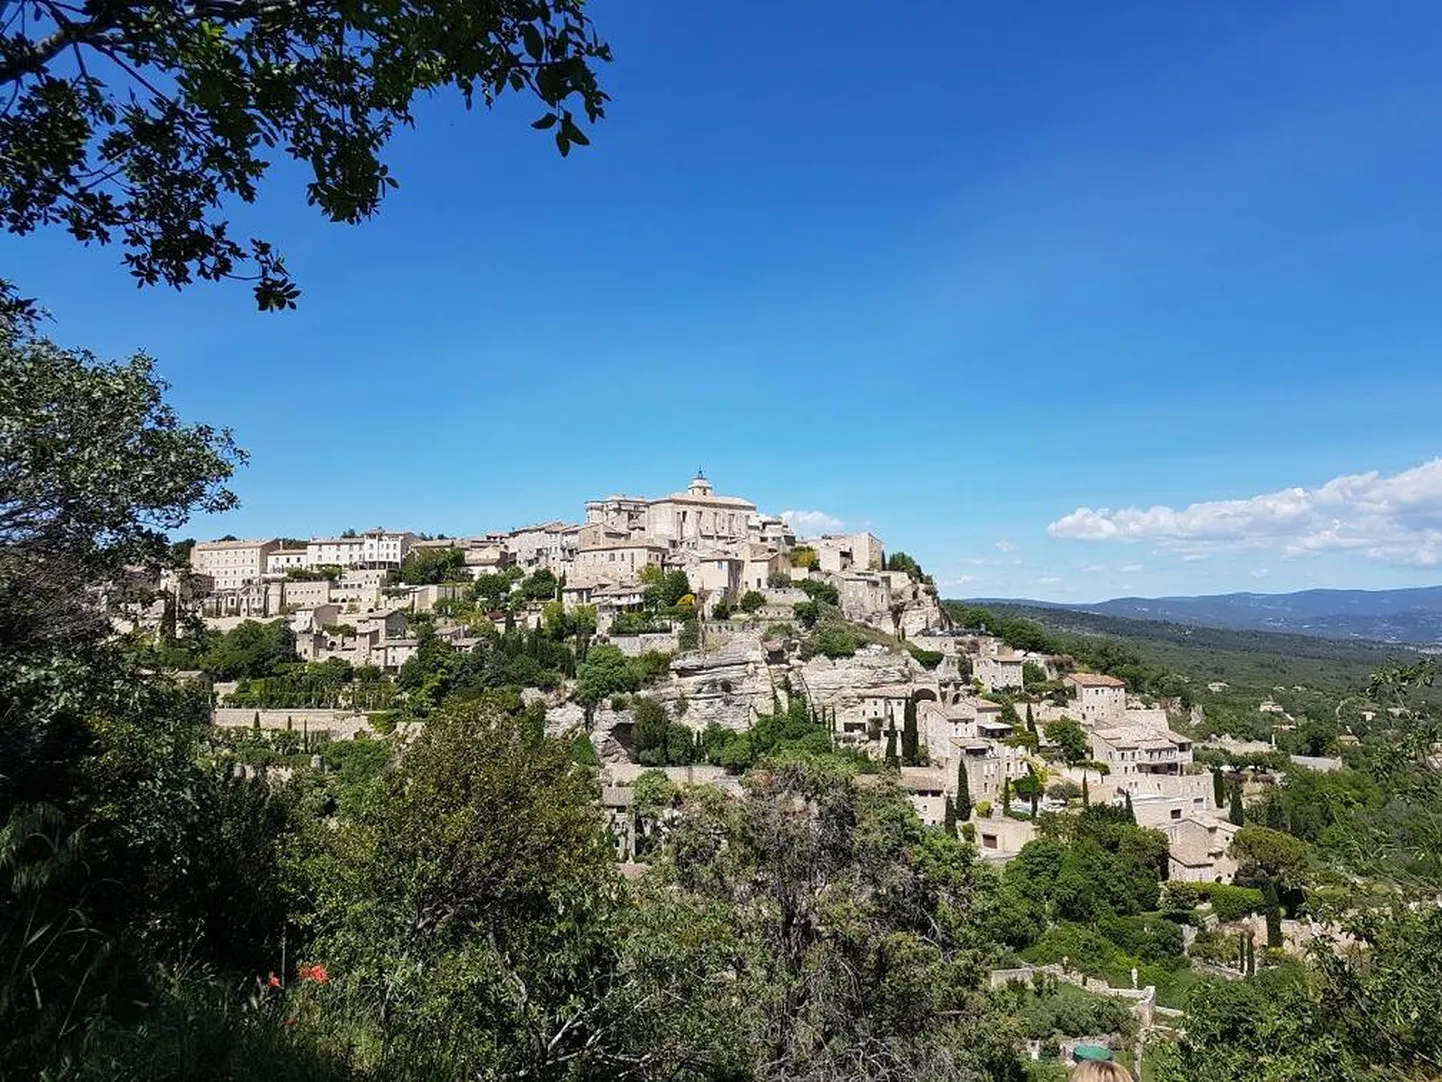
(340, 724)
(636, 645)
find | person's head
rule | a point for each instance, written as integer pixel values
(1100, 1071)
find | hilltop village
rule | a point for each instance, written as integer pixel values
(731, 620)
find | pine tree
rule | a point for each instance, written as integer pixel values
(1235, 812)
(963, 793)
(891, 746)
(1219, 787)
(909, 735)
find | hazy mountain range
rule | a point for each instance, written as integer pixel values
(1403, 616)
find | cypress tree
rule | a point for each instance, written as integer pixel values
(1219, 787)
(1235, 813)
(1274, 914)
(950, 816)
(891, 746)
(1086, 793)
(1030, 721)
(963, 793)
(1006, 797)
(909, 735)
(1132, 815)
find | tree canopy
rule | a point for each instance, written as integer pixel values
(135, 122)
(95, 467)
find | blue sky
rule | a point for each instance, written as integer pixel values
(978, 277)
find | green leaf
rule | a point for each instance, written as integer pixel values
(547, 121)
(535, 44)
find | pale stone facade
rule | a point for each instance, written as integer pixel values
(1198, 847)
(232, 564)
(1100, 700)
(998, 672)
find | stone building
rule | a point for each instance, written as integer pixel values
(1100, 700)
(232, 564)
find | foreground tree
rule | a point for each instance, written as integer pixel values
(867, 960)
(95, 467)
(476, 926)
(135, 121)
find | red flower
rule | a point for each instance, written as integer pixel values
(273, 981)
(315, 973)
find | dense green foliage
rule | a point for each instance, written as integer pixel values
(137, 122)
(431, 565)
(95, 467)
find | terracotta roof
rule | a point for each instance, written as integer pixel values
(1095, 680)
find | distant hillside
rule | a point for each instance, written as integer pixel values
(1395, 616)
(1245, 658)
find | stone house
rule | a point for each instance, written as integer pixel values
(282, 560)
(1100, 700)
(999, 672)
(989, 764)
(925, 789)
(716, 572)
(1133, 750)
(1197, 849)
(615, 563)
(836, 553)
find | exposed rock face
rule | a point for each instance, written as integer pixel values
(725, 687)
(841, 680)
(922, 614)
(564, 718)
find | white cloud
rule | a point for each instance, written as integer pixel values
(1006, 546)
(1131, 569)
(1048, 580)
(1261, 572)
(1396, 519)
(1193, 557)
(959, 580)
(1093, 569)
(810, 523)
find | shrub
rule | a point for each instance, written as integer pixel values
(1063, 790)
(690, 636)
(752, 601)
(820, 591)
(651, 666)
(1180, 897)
(833, 641)
(1231, 903)
(929, 659)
